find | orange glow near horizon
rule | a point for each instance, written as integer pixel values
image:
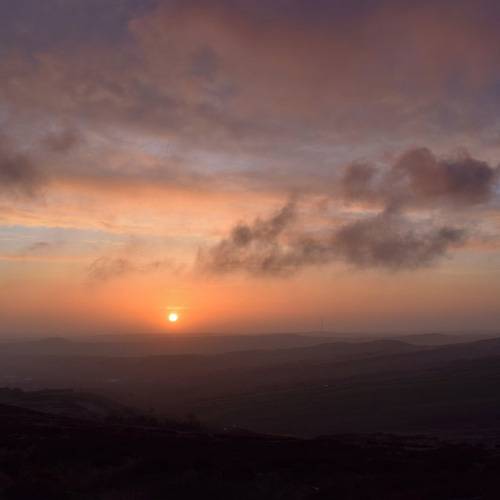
(305, 302)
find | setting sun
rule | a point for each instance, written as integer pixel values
(173, 317)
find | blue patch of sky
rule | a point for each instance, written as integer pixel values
(17, 238)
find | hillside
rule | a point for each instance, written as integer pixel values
(72, 459)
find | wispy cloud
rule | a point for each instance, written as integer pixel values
(104, 269)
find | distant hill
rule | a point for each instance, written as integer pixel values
(226, 369)
(151, 345)
(330, 387)
(439, 339)
(147, 345)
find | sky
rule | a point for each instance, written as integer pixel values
(253, 166)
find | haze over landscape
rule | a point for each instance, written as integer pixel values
(249, 249)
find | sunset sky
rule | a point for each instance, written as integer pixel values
(253, 166)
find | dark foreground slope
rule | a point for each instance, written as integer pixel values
(58, 457)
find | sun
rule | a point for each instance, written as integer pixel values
(173, 317)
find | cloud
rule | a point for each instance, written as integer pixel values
(276, 246)
(253, 247)
(18, 175)
(392, 241)
(419, 178)
(425, 178)
(63, 140)
(358, 182)
(108, 268)
(214, 73)
(38, 246)
(210, 81)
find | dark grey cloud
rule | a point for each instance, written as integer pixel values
(256, 247)
(419, 178)
(357, 182)
(18, 174)
(276, 246)
(392, 241)
(463, 180)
